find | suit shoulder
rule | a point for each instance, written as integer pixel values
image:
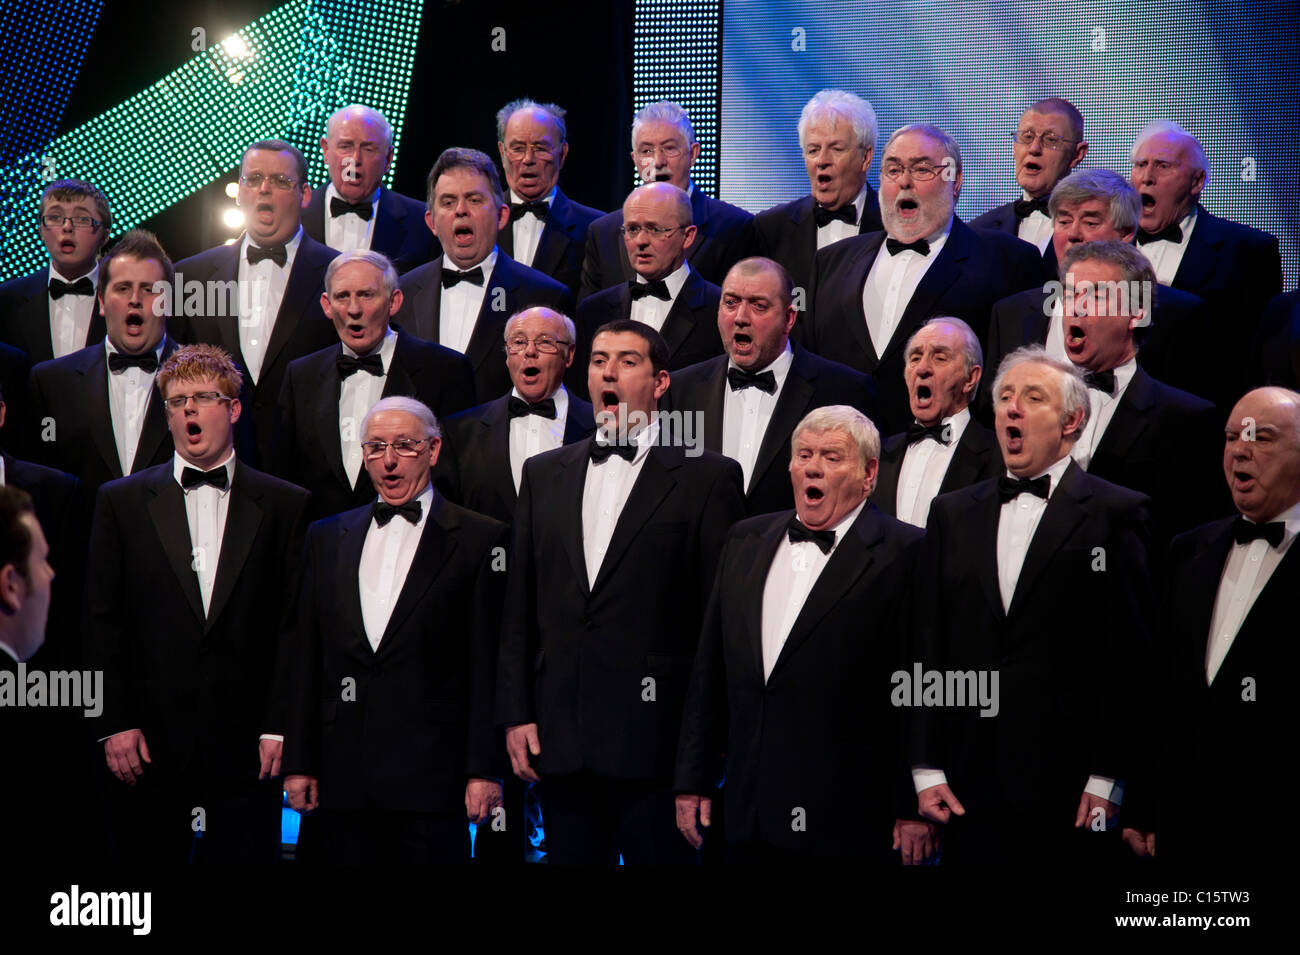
(777, 216)
(272, 485)
(992, 219)
(1114, 495)
(480, 524)
(1238, 232)
(1183, 402)
(70, 363)
(24, 286)
(899, 533)
(31, 474)
(834, 255)
(206, 260)
(474, 415)
(604, 300)
(539, 281)
(1198, 538)
(731, 215)
(1030, 300)
(308, 363)
(692, 376)
(420, 275)
(759, 525)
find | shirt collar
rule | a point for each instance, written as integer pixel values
(1057, 471)
(109, 348)
(778, 366)
(488, 263)
(7, 649)
(425, 498)
(387, 346)
(846, 522)
(179, 464)
(93, 275)
(516, 199)
(290, 247)
(332, 193)
(561, 397)
(645, 439)
(1290, 517)
(674, 280)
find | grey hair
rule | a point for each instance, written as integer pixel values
(851, 421)
(934, 132)
(388, 274)
(1084, 184)
(556, 114)
(971, 352)
(1074, 393)
(371, 114)
(1129, 259)
(412, 407)
(681, 201)
(568, 322)
(1199, 159)
(840, 104)
(664, 111)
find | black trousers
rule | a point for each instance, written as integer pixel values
(376, 836)
(592, 820)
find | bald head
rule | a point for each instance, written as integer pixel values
(358, 148)
(1261, 453)
(539, 345)
(657, 229)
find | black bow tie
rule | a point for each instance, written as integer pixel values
(341, 207)
(920, 245)
(798, 532)
(522, 409)
(383, 511)
(601, 452)
(919, 432)
(738, 378)
(1009, 487)
(349, 366)
(120, 362)
(276, 253)
(658, 288)
(520, 209)
(451, 278)
(193, 477)
(82, 286)
(845, 213)
(1244, 531)
(1170, 233)
(1027, 207)
(1100, 381)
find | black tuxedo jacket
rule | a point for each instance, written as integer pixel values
(473, 466)
(14, 372)
(1276, 358)
(25, 316)
(788, 234)
(202, 689)
(976, 458)
(400, 232)
(690, 329)
(403, 727)
(821, 725)
(70, 395)
(724, 235)
(301, 327)
(562, 243)
(813, 382)
(307, 450)
(1003, 219)
(511, 285)
(973, 270)
(575, 659)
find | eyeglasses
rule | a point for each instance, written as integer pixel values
(670, 151)
(654, 231)
(403, 447)
(1049, 140)
(520, 150)
(83, 223)
(893, 171)
(543, 343)
(254, 181)
(204, 399)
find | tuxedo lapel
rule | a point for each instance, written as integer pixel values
(1129, 422)
(892, 453)
(224, 330)
(700, 213)
(554, 239)
(390, 223)
(652, 485)
(1034, 324)
(243, 517)
(713, 405)
(101, 414)
(1064, 512)
(306, 277)
(805, 238)
(967, 460)
(427, 305)
(153, 432)
(167, 511)
(437, 541)
(753, 585)
(856, 278)
(680, 320)
(791, 405)
(486, 338)
(985, 538)
(325, 414)
(567, 504)
(352, 529)
(1202, 594)
(1272, 612)
(496, 433)
(938, 279)
(1201, 254)
(580, 420)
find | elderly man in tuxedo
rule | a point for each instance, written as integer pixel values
(944, 448)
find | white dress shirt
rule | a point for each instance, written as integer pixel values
(70, 315)
(1165, 256)
(129, 393)
(837, 229)
(206, 508)
(265, 283)
(1101, 409)
(604, 492)
(349, 231)
(892, 282)
(2, 472)
(654, 311)
(358, 393)
(795, 569)
(1055, 343)
(924, 466)
(526, 231)
(1245, 574)
(1035, 228)
(532, 434)
(386, 558)
(460, 304)
(747, 412)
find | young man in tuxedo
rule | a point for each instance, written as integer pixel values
(391, 736)
(327, 393)
(189, 614)
(616, 541)
(547, 230)
(944, 448)
(52, 312)
(462, 298)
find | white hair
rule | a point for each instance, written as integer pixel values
(664, 111)
(839, 104)
(1160, 126)
(972, 354)
(373, 115)
(864, 435)
(379, 261)
(1074, 393)
(550, 313)
(409, 405)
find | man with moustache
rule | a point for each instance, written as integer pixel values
(869, 294)
(944, 448)
(94, 414)
(801, 630)
(663, 150)
(1060, 616)
(390, 734)
(547, 230)
(461, 299)
(280, 274)
(752, 396)
(484, 449)
(665, 292)
(189, 614)
(616, 542)
(326, 394)
(354, 211)
(837, 135)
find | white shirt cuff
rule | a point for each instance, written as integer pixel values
(272, 736)
(1106, 788)
(111, 735)
(925, 778)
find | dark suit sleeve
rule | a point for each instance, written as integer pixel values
(704, 730)
(291, 549)
(485, 749)
(105, 640)
(519, 638)
(302, 727)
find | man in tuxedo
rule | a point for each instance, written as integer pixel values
(391, 735)
(327, 393)
(665, 292)
(1048, 144)
(944, 448)
(355, 211)
(799, 641)
(279, 272)
(462, 298)
(1226, 654)
(547, 230)
(94, 414)
(869, 294)
(751, 397)
(52, 312)
(1276, 353)
(25, 578)
(837, 135)
(484, 448)
(616, 542)
(1059, 619)
(189, 614)
(663, 150)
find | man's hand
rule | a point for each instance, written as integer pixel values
(124, 754)
(303, 792)
(1087, 806)
(268, 751)
(520, 741)
(918, 840)
(938, 804)
(1143, 844)
(481, 797)
(688, 808)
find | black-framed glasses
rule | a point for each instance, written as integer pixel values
(543, 343)
(204, 399)
(53, 220)
(1049, 140)
(654, 231)
(402, 447)
(254, 181)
